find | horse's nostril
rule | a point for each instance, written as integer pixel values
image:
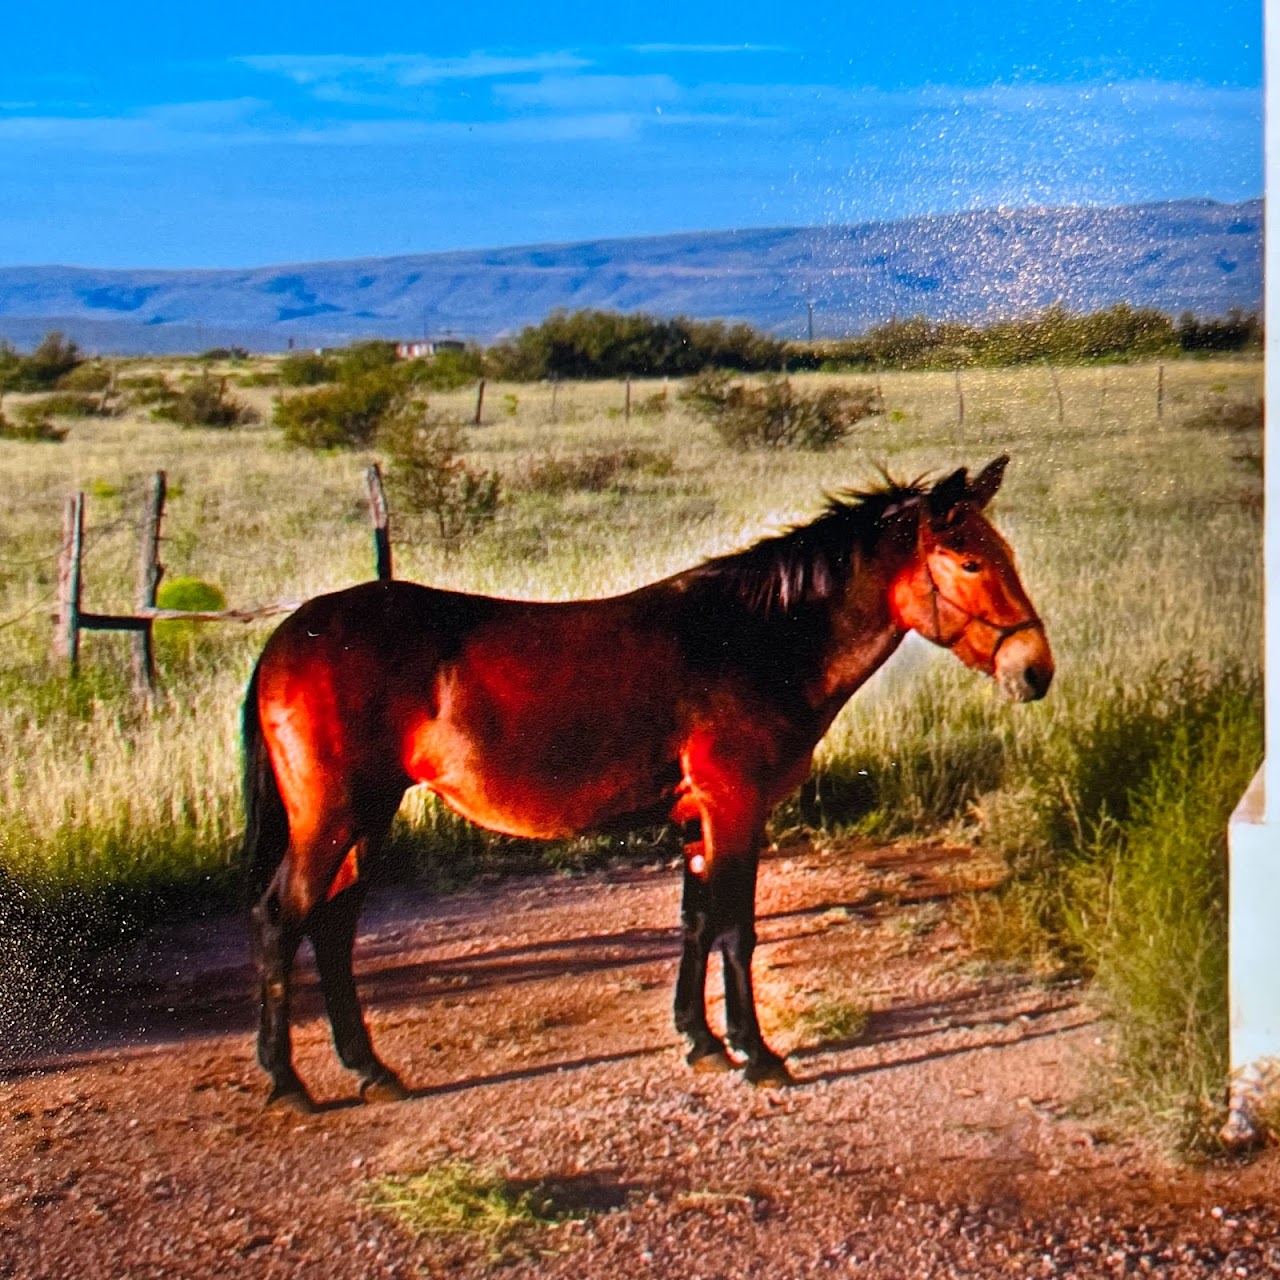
(1037, 679)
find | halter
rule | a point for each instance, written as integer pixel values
(1027, 624)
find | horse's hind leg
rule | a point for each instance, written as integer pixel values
(276, 934)
(332, 929)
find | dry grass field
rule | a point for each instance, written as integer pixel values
(1138, 539)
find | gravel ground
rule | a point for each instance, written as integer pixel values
(948, 1136)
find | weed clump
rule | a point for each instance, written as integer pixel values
(1228, 416)
(773, 414)
(593, 472)
(459, 1199)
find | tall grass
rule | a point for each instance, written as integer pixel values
(1138, 539)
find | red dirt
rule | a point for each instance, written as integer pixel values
(531, 1019)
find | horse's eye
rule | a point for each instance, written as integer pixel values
(971, 566)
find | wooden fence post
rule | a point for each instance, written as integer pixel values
(959, 400)
(378, 513)
(150, 572)
(1159, 391)
(479, 401)
(1057, 390)
(626, 409)
(555, 386)
(66, 637)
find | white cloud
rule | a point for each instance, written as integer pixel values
(560, 92)
(406, 70)
(708, 48)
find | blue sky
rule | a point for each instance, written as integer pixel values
(236, 134)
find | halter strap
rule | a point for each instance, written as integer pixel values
(1031, 623)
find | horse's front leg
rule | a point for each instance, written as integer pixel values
(737, 891)
(706, 1050)
(719, 909)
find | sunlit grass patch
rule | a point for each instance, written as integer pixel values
(481, 1204)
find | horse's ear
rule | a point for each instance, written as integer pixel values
(946, 495)
(983, 489)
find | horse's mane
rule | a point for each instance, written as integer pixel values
(808, 562)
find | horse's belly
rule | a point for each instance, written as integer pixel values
(553, 795)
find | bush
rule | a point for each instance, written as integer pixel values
(360, 358)
(224, 353)
(53, 359)
(33, 423)
(308, 369)
(204, 402)
(446, 370)
(429, 478)
(772, 414)
(343, 415)
(90, 376)
(593, 472)
(72, 404)
(610, 344)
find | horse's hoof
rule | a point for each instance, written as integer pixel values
(295, 1100)
(384, 1089)
(714, 1061)
(769, 1074)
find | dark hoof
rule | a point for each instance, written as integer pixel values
(384, 1089)
(297, 1100)
(709, 1061)
(772, 1073)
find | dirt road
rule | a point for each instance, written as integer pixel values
(531, 1019)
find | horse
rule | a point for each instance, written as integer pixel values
(698, 699)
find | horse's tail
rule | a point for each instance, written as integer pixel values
(266, 825)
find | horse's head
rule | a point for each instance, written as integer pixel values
(961, 589)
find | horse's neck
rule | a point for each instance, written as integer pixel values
(863, 637)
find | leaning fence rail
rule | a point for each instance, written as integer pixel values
(72, 618)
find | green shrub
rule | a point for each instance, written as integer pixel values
(205, 402)
(429, 477)
(224, 353)
(772, 414)
(192, 595)
(361, 358)
(342, 415)
(446, 370)
(308, 369)
(611, 344)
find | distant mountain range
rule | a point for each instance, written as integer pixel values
(1181, 255)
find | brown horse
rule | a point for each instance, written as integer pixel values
(698, 699)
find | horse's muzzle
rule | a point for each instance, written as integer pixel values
(1024, 667)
